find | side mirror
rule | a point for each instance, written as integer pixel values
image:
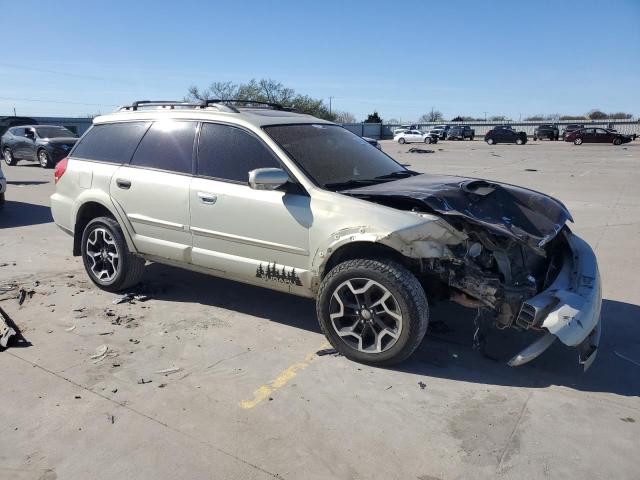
(267, 178)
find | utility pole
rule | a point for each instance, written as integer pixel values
(485, 116)
(14, 111)
(330, 98)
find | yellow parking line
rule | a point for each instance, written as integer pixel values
(281, 380)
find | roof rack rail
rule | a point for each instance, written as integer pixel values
(224, 105)
(275, 106)
(159, 103)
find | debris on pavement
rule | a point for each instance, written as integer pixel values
(23, 294)
(131, 297)
(6, 329)
(162, 385)
(142, 381)
(326, 351)
(422, 385)
(102, 352)
(70, 329)
(420, 150)
(530, 169)
(169, 371)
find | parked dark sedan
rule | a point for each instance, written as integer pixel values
(597, 135)
(45, 144)
(572, 127)
(505, 134)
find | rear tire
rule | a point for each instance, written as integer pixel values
(491, 141)
(9, 159)
(106, 257)
(382, 324)
(402, 141)
(617, 141)
(44, 159)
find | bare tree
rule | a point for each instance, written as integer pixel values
(263, 90)
(344, 117)
(620, 116)
(432, 116)
(498, 118)
(596, 114)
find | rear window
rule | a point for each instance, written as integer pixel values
(112, 143)
(168, 145)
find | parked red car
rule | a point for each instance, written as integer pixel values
(596, 135)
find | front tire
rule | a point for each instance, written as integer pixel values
(577, 141)
(372, 311)
(617, 141)
(402, 141)
(44, 159)
(427, 140)
(490, 141)
(519, 141)
(107, 260)
(9, 159)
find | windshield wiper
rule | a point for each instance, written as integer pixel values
(349, 183)
(398, 174)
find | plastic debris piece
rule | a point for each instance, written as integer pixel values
(422, 385)
(169, 371)
(6, 330)
(100, 351)
(70, 329)
(326, 351)
(142, 381)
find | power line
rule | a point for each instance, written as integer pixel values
(13, 99)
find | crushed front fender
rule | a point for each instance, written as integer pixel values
(569, 309)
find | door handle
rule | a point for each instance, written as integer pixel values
(123, 184)
(207, 198)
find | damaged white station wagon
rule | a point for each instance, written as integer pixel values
(262, 195)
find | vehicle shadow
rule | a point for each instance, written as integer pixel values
(21, 214)
(447, 351)
(26, 182)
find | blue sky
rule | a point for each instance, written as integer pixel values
(401, 58)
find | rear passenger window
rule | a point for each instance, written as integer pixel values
(112, 142)
(230, 153)
(168, 145)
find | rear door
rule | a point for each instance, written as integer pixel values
(153, 190)
(602, 136)
(257, 236)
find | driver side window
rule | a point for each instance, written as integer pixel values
(230, 153)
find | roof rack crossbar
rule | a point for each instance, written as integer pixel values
(221, 104)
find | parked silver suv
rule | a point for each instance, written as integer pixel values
(286, 201)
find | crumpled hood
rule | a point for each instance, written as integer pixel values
(525, 215)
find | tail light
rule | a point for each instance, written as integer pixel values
(61, 167)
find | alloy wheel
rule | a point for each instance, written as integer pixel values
(103, 255)
(8, 157)
(365, 315)
(43, 158)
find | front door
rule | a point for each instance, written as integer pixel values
(153, 191)
(602, 136)
(256, 236)
(29, 152)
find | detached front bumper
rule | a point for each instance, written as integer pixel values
(569, 309)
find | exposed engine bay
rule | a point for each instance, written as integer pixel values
(516, 243)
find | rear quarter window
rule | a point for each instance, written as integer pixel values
(111, 143)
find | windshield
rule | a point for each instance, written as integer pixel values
(334, 157)
(54, 132)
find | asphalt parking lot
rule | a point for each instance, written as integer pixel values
(214, 379)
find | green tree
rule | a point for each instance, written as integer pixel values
(373, 118)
